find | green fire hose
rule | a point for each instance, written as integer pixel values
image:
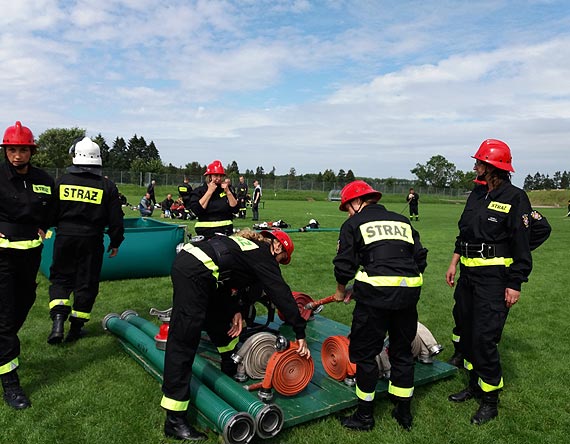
(268, 417)
(235, 427)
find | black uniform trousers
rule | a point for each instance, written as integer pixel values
(367, 334)
(198, 304)
(414, 209)
(480, 312)
(18, 271)
(76, 267)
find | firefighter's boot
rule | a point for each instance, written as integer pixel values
(177, 426)
(13, 393)
(471, 391)
(228, 366)
(488, 409)
(76, 331)
(403, 414)
(362, 419)
(457, 358)
(56, 334)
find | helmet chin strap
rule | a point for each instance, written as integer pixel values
(22, 166)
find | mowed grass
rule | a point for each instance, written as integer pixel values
(93, 392)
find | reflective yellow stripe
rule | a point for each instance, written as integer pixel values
(467, 365)
(399, 391)
(78, 193)
(455, 338)
(229, 347)
(42, 189)
(204, 258)
(480, 262)
(243, 243)
(389, 281)
(80, 315)
(386, 230)
(20, 245)
(7, 368)
(172, 404)
(56, 302)
(364, 396)
(220, 223)
(488, 387)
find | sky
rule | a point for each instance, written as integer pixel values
(371, 86)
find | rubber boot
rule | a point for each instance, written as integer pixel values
(362, 419)
(488, 409)
(228, 366)
(457, 357)
(471, 391)
(177, 426)
(56, 335)
(403, 414)
(13, 393)
(76, 330)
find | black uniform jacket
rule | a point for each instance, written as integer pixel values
(218, 207)
(254, 265)
(25, 202)
(371, 239)
(87, 203)
(502, 217)
(242, 190)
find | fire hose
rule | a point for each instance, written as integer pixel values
(253, 356)
(302, 300)
(334, 356)
(287, 372)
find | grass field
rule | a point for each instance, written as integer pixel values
(92, 392)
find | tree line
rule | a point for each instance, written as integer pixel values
(559, 181)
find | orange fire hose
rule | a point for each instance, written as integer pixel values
(334, 356)
(287, 372)
(302, 300)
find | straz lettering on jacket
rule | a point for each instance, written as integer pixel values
(79, 193)
(43, 189)
(498, 206)
(386, 230)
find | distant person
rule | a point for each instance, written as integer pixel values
(178, 210)
(123, 200)
(256, 199)
(26, 200)
(568, 214)
(150, 191)
(166, 204)
(145, 206)
(185, 191)
(86, 207)
(213, 203)
(413, 202)
(241, 194)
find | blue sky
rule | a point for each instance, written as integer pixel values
(372, 86)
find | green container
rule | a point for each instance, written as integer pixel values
(148, 250)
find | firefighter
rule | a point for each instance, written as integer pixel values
(413, 200)
(241, 190)
(494, 252)
(185, 191)
(386, 290)
(86, 203)
(213, 203)
(203, 275)
(25, 205)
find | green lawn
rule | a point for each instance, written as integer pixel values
(93, 392)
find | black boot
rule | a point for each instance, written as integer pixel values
(403, 414)
(177, 426)
(487, 409)
(56, 335)
(457, 357)
(13, 393)
(228, 366)
(362, 419)
(471, 391)
(76, 331)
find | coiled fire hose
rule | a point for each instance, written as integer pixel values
(302, 300)
(287, 372)
(334, 356)
(253, 356)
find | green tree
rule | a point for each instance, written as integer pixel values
(271, 174)
(349, 176)
(437, 172)
(53, 147)
(232, 169)
(292, 173)
(194, 169)
(100, 140)
(329, 176)
(118, 156)
(341, 177)
(259, 172)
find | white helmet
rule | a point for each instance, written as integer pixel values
(86, 152)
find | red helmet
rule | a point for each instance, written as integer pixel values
(355, 189)
(496, 153)
(18, 135)
(215, 167)
(285, 240)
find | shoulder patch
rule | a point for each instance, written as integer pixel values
(525, 220)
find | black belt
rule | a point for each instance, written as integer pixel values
(484, 250)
